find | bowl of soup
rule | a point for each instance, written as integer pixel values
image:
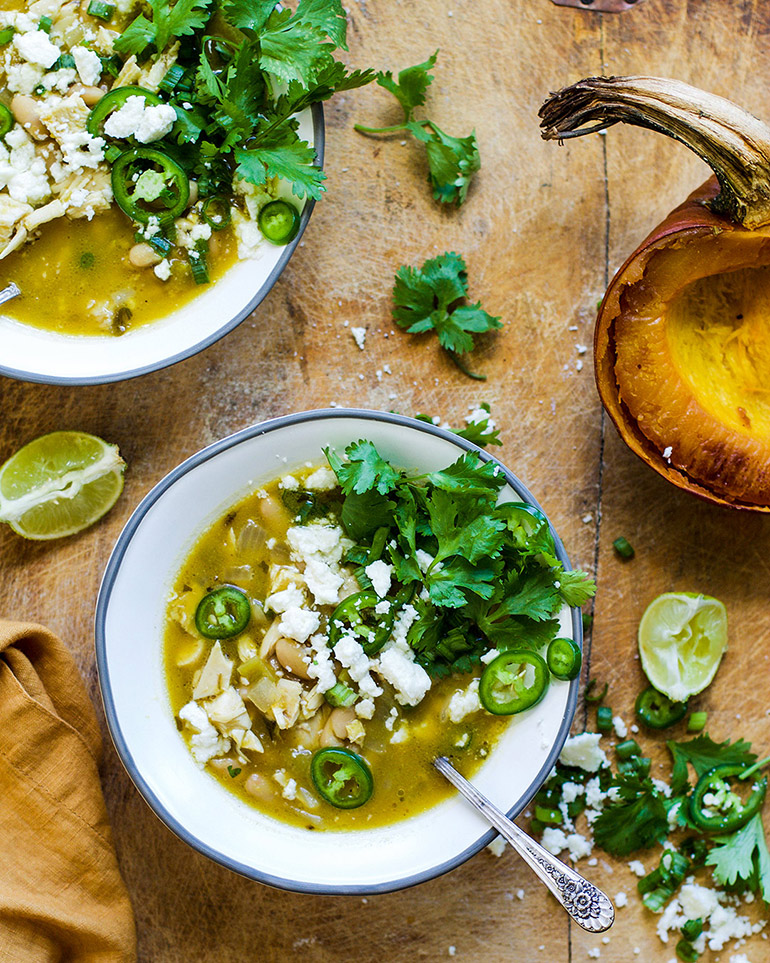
(131, 236)
(304, 646)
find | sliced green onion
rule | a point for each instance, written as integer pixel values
(536, 827)
(686, 951)
(6, 35)
(340, 696)
(112, 153)
(39, 90)
(752, 769)
(548, 817)
(233, 771)
(627, 748)
(45, 24)
(623, 547)
(171, 80)
(697, 721)
(87, 260)
(65, 62)
(159, 243)
(639, 765)
(692, 929)
(198, 265)
(103, 11)
(591, 696)
(220, 216)
(604, 718)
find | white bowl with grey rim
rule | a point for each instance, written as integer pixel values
(130, 618)
(48, 357)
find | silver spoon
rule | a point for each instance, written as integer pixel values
(12, 291)
(588, 906)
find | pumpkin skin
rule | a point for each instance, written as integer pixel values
(689, 390)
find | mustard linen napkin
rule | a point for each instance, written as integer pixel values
(62, 899)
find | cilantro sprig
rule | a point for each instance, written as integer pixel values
(452, 161)
(433, 298)
(476, 582)
(480, 429)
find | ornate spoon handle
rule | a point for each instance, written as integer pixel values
(12, 291)
(588, 906)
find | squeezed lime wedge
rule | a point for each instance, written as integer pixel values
(682, 637)
(59, 484)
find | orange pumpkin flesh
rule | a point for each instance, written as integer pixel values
(682, 337)
(687, 357)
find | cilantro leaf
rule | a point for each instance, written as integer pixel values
(292, 162)
(248, 14)
(448, 583)
(576, 587)
(138, 35)
(363, 514)
(168, 22)
(452, 161)
(473, 539)
(427, 299)
(365, 469)
(521, 633)
(634, 817)
(292, 45)
(328, 16)
(702, 753)
(743, 856)
(533, 595)
(470, 475)
(411, 86)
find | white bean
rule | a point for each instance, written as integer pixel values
(25, 110)
(291, 655)
(142, 255)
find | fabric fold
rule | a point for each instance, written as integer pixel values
(62, 897)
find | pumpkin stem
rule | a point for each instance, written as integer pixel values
(734, 143)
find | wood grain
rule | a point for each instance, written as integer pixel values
(543, 228)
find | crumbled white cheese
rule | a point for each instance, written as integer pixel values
(323, 581)
(359, 336)
(205, 742)
(464, 702)
(321, 480)
(379, 574)
(407, 677)
(554, 840)
(88, 64)
(291, 597)
(584, 752)
(621, 729)
(36, 48)
(497, 846)
(352, 657)
(321, 666)
(637, 868)
(289, 483)
(365, 708)
(571, 790)
(163, 270)
(621, 899)
(135, 118)
(298, 623)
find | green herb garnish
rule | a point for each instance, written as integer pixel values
(474, 580)
(452, 161)
(433, 298)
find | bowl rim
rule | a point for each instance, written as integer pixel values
(20, 374)
(113, 724)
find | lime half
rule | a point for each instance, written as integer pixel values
(682, 637)
(59, 484)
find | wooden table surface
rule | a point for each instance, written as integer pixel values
(542, 231)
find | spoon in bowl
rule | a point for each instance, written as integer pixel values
(588, 906)
(12, 291)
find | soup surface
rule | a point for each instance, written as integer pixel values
(266, 686)
(77, 279)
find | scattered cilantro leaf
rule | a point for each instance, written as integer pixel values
(702, 753)
(743, 856)
(452, 161)
(292, 162)
(411, 86)
(427, 299)
(634, 816)
(481, 431)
